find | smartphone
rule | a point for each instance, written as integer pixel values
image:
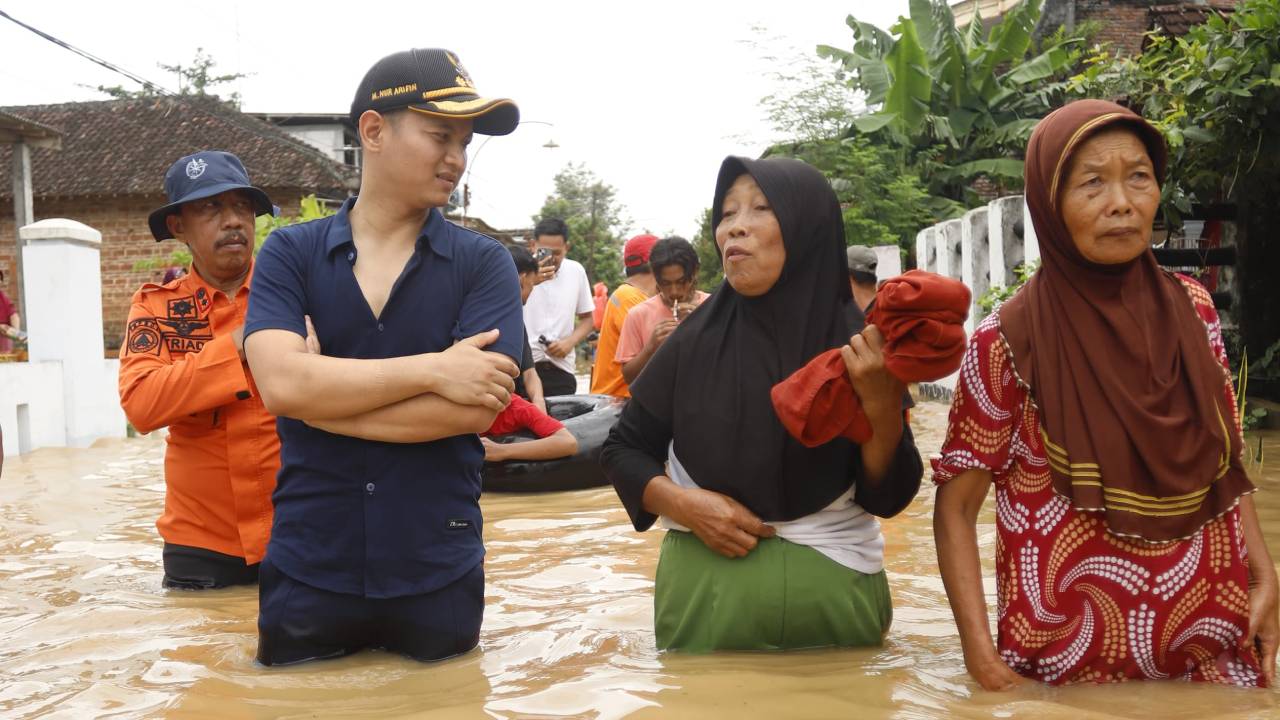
(542, 255)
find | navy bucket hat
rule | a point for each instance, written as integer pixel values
(201, 175)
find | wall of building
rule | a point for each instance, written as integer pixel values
(327, 138)
(126, 241)
(31, 406)
(1121, 23)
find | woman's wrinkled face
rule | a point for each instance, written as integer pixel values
(750, 239)
(1109, 197)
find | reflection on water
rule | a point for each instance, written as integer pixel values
(568, 628)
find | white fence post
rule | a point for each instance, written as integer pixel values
(64, 324)
(974, 266)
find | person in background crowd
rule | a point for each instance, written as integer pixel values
(10, 321)
(599, 296)
(606, 377)
(558, 313)
(554, 439)
(675, 270)
(862, 279)
(528, 384)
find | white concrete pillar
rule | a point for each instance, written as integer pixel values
(974, 266)
(1005, 248)
(926, 250)
(1030, 246)
(949, 248)
(888, 261)
(64, 324)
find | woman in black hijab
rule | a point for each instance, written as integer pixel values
(780, 539)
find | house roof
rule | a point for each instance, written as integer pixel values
(1178, 18)
(124, 147)
(19, 129)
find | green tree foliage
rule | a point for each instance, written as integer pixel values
(198, 79)
(1214, 93)
(710, 270)
(882, 200)
(963, 104)
(595, 218)
(881, 196)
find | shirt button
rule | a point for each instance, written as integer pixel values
(351, 257)
(380, 328)
(369, 487)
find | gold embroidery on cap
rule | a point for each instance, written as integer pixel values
(464, 78)
(393, 91)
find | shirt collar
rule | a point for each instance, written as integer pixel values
(193, 283)
(436, 233)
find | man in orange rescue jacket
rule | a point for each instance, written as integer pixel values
(182, 365)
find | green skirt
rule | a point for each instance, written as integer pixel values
(781, 596)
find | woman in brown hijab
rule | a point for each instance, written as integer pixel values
(1097, 402)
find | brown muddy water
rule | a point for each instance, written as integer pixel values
(568, 632)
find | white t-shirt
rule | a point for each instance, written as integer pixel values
(553, 308)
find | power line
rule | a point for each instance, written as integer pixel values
(152, 87)
(237, 121)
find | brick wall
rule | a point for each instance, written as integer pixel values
(126, 240)
(1122, 22)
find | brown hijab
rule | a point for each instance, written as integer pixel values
(1134, 417)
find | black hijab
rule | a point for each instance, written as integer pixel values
(710, 381)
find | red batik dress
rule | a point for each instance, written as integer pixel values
(1075, 602)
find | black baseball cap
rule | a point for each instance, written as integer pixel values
(431, 81)
(201, 175)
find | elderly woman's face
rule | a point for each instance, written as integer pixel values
(750, 239)
(1109, 197)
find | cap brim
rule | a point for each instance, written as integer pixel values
(160, 229)
(491, 116)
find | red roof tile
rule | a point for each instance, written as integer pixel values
(1178, 18)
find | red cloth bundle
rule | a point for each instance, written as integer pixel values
(921, 316)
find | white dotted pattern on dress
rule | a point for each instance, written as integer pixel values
(1050, 514)
(1142, 622)
(1013, 516)
(1030, 580)
(1171, 581)
(1125, 573)
(1053, 667)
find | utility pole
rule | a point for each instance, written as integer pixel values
(23, 214)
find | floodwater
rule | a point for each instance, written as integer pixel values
(88, 632)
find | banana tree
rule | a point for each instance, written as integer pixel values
(967, 99)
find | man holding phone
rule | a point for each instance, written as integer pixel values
(558, 313)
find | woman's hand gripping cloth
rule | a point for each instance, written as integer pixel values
(921, 316)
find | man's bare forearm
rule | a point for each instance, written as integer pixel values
(417, 419)
(306, 386)
(582, 329)
(631, 368)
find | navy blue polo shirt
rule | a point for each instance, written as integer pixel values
(372, 518)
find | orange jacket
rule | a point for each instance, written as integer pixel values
(179, 367)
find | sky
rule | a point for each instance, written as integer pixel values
(650, 96)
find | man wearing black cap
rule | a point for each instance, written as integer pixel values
(376, 542)
(182, 365)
